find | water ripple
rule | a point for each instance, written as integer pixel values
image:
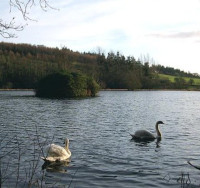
(103, 154)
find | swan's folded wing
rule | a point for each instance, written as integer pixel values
(56, 151)
(143, 135)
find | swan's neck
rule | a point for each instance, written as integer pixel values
(67, 147)
(158, 131)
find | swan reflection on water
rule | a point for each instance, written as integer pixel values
(57, 166)
(144, 143)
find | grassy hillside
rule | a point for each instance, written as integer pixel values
(172, 79)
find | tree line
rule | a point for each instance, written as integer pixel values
(23, 65)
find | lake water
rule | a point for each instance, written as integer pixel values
(103, 154)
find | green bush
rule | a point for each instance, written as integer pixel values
(66, 85)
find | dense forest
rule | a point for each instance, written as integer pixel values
(23, 65)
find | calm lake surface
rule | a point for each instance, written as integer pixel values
(103, 154)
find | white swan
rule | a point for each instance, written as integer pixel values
(146, 135)
(56, 153)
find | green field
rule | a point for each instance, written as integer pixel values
(171, 78)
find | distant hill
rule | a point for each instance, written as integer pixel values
(23, 65)
(173, 78)
(175, 72)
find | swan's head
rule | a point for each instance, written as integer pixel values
(66, 141)
(159, 122)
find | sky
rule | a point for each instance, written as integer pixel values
(165, 32)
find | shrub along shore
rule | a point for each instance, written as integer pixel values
(66, 85)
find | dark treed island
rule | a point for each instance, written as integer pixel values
(22, 66)
(66, 85)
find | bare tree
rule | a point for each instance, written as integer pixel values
(9, 28)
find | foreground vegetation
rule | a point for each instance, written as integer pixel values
(23, 66)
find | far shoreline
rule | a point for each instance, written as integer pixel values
(150, 90)
(16, 89)
(115, 90)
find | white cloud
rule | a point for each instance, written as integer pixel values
(168, 30)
